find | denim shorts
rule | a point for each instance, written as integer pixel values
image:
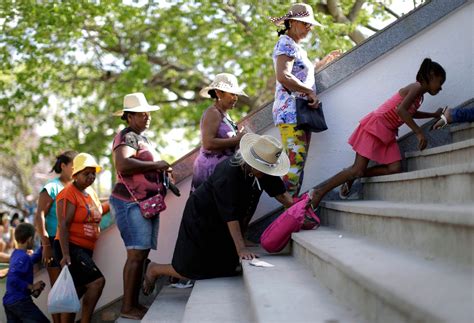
(136, 231)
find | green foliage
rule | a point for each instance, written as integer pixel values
(87, 56)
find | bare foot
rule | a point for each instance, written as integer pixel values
(148, 282)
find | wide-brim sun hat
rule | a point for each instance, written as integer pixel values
(265, 154)
(299, 11)
(83, 161)
(225, 82)
(136, 102)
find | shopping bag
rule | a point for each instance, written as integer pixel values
(63, 296)
(297, 217)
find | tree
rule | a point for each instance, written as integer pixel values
(87, 55)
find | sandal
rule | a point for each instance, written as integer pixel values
(442, 122)
(130, 316)
(344, 188)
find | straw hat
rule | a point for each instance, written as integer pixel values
(136, 102)
(264, 153)
(82, 161)
(225, 82)
(299, 11)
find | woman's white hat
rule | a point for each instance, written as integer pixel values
(136, 102)
(264, 153)
(299, 11)
(225, 82)
(82, 161)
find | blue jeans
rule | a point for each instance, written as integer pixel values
(136, 231)
(24, 311)
(462, 115)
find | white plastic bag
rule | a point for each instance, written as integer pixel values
(63, 296)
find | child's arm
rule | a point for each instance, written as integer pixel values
(410, 93)
(36, 256)
(425, 115)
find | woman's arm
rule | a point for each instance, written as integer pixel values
(285, 199)
(210, 125)
(242, 251)
(65, 218)
(410, 93)
(425, 115)
(326, 60)
(44, 205)
(284, 65)
(125, 164)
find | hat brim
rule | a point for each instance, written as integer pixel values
(143, 108)
(309, 20)
(280, 169)
(205, 91)
(97, 169)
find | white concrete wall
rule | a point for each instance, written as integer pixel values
(449, 42)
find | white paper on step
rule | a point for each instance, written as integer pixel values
(260, 263)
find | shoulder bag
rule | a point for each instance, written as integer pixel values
(152, 206)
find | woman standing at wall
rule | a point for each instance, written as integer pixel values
(294, 78)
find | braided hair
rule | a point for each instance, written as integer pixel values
(427, 68)
(284, 30)
(64, 158)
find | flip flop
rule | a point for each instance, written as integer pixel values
(135, 317)
(441, 118)
(346, 188)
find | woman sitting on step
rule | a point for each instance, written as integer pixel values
(210, 241)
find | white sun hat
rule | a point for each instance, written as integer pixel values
(265, 154)
(136, 102)
(299, 11)
(225, 82)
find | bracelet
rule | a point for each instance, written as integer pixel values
(46, 245)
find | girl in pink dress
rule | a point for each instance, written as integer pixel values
(376, 136)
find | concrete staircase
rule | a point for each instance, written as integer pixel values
(403, 253)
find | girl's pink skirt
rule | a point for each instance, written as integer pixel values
(374, 140)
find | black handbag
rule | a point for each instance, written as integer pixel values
(309, 119)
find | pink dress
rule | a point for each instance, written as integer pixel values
(376, 136)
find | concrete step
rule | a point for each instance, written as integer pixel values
(386, 284)
(289, 292)
(219, 300)
(168, 306)
(413, 227)
(451, 184)
(456, 153)
(462, 131)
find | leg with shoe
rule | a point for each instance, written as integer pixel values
(456, 115)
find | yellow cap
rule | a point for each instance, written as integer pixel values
(82, 161)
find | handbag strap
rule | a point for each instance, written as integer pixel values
(128, 189)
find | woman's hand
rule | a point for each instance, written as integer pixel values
(422, 142)
(162, 165)
(47, 255)
(313, 100)
(66, 261)
(246, 254)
